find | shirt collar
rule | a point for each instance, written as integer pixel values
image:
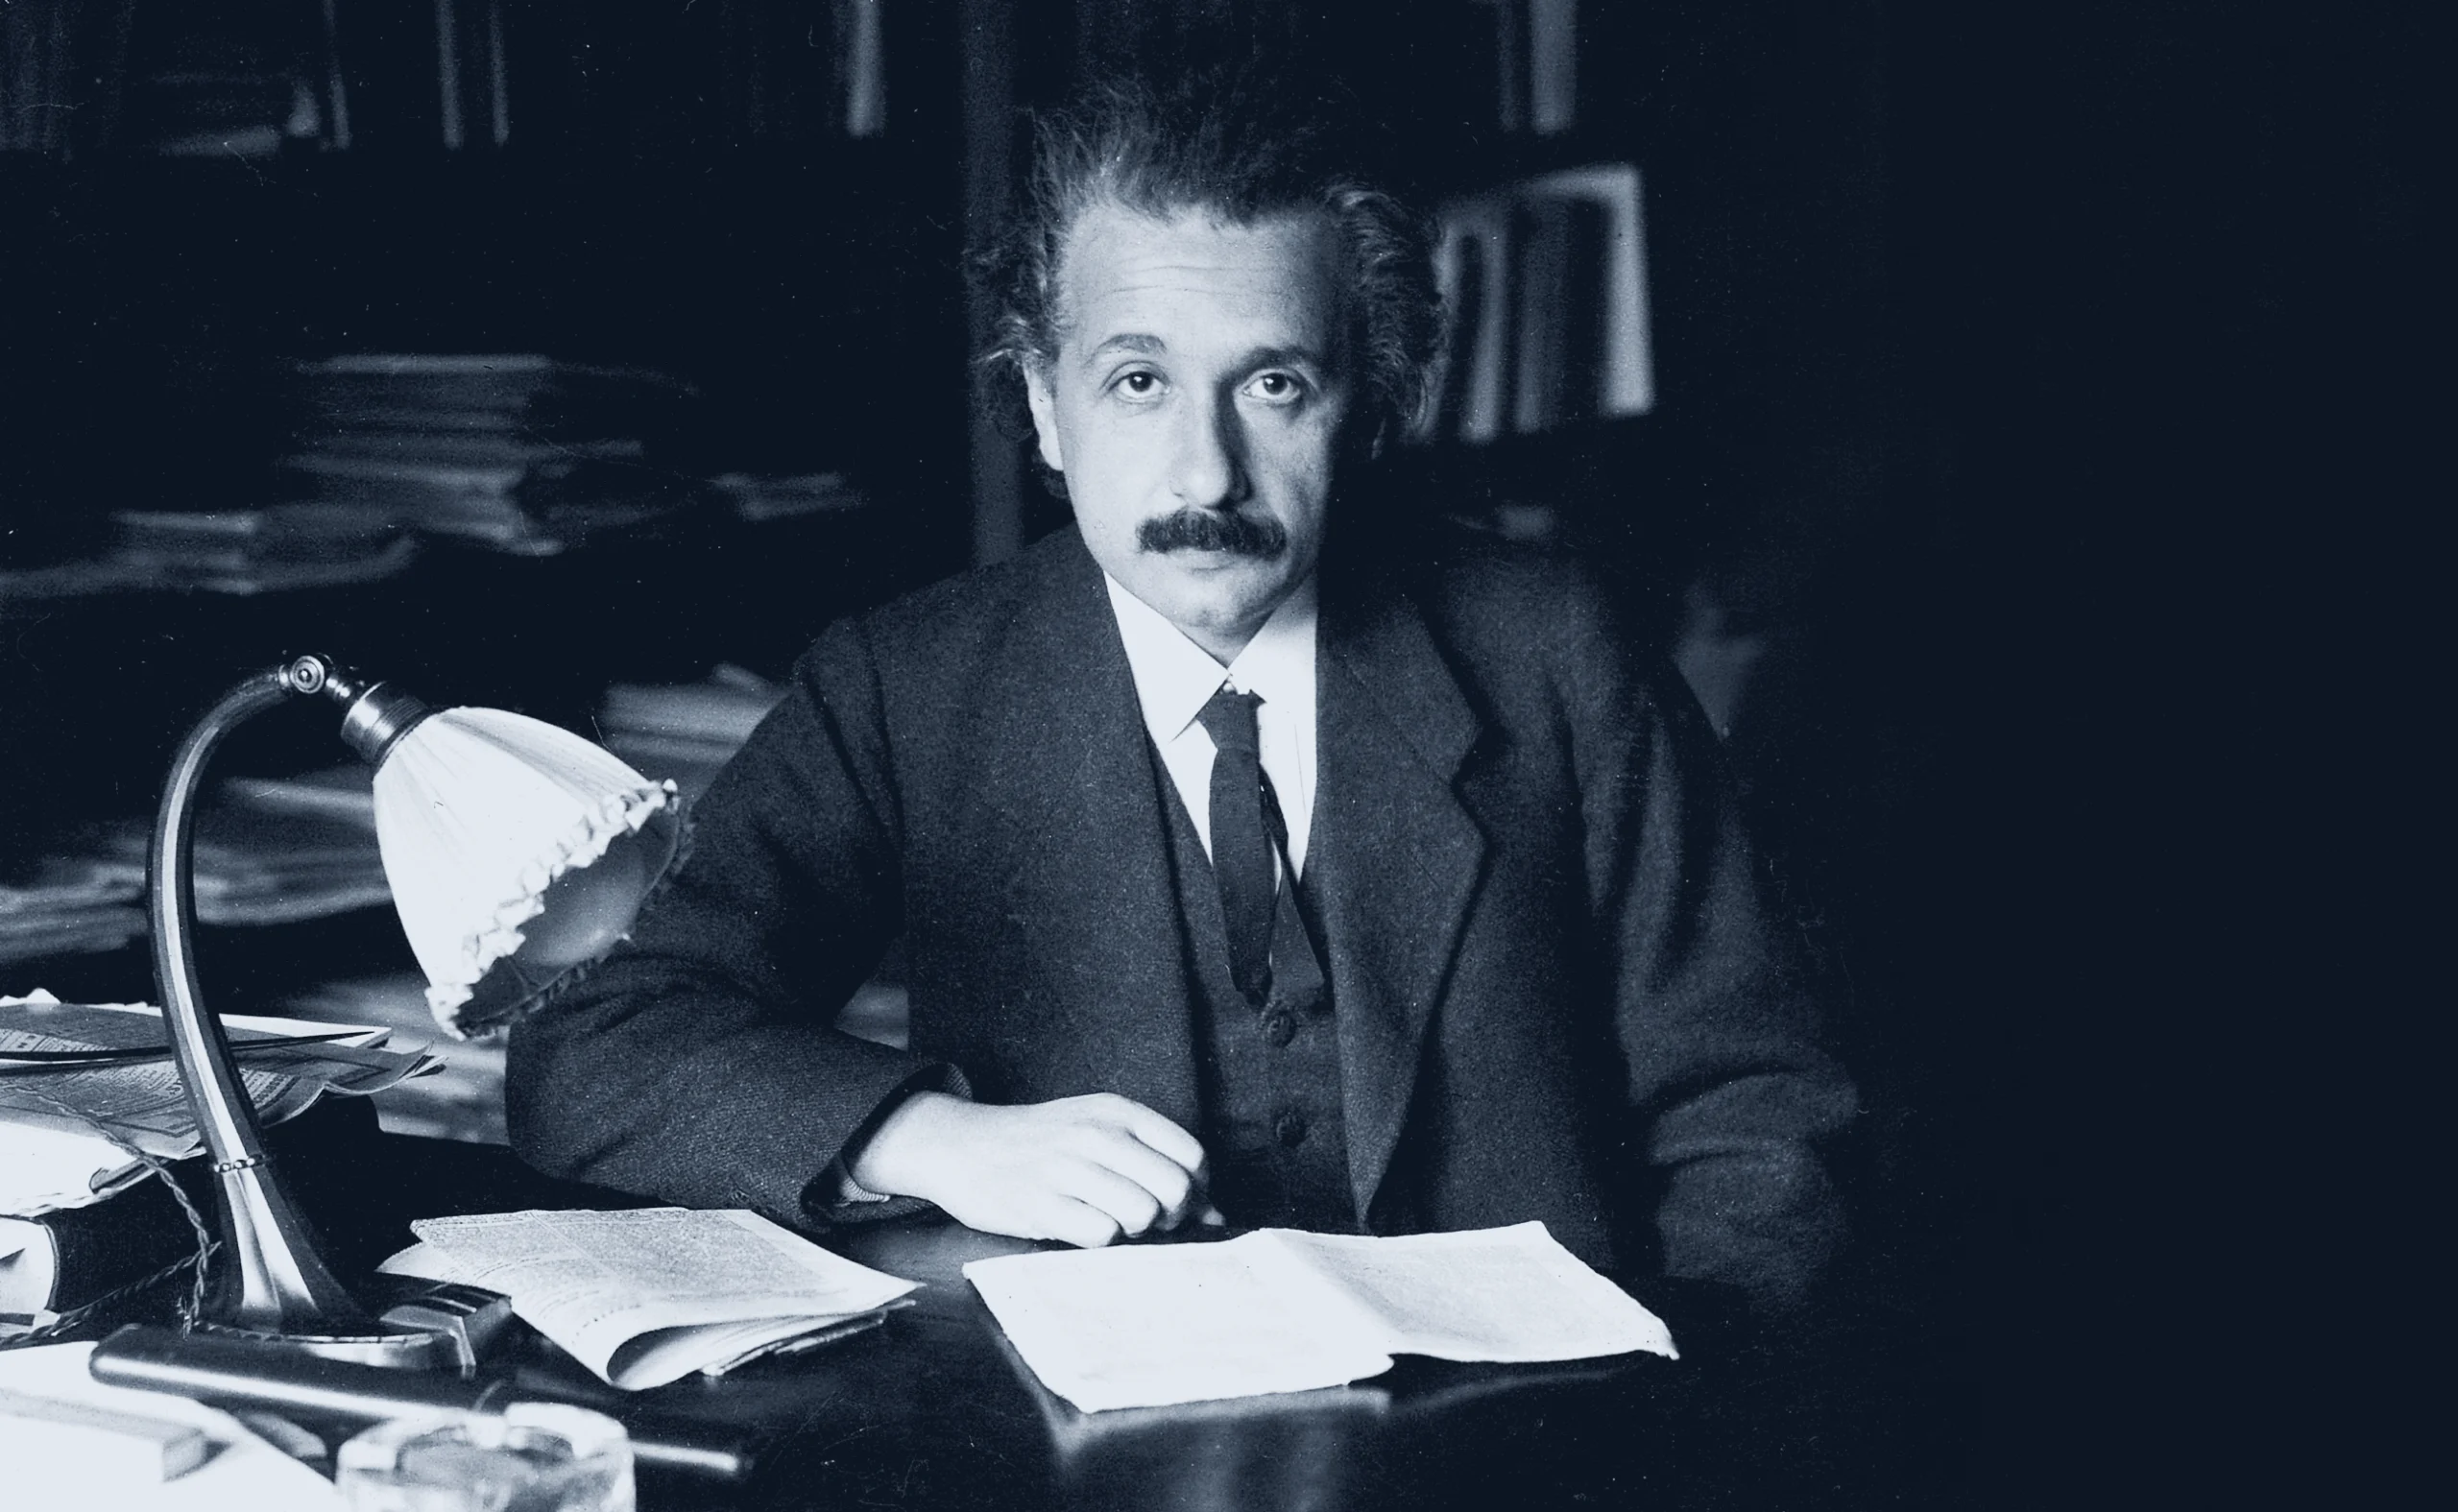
(1174, 677)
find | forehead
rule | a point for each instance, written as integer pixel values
(1191, 279)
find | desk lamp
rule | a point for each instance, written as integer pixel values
(515, 851)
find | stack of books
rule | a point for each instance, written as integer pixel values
(79, 1219)
(516, 452)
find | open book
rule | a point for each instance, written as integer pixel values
(649, 1295)
(1283, 1310)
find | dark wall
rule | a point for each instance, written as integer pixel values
(2154, 266)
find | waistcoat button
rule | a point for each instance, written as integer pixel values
(1291, 1129)
(1280, 1027)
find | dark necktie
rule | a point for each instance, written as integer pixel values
(1244, 816)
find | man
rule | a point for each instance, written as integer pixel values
(1250, 868)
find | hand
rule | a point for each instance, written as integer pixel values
(1086, 1170)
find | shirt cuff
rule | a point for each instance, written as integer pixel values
(834, 1187)
(840, 1181)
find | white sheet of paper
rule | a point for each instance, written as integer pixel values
(244, 1472)
(1510, 1294)
(1278, 1309)
(1158, 1325)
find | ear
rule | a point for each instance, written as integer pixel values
(1045, 417)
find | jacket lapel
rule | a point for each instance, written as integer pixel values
(1091, 869)
(1400, 856)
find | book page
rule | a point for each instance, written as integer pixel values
(42, 1169)
(664, 1354)
(1492, 1294)
(596, 1282)
(1146, 1325)
(146, 1102)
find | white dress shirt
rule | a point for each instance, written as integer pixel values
(1174, 677)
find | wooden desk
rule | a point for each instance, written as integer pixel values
(933, 1410)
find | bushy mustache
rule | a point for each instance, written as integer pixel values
(1213, 530)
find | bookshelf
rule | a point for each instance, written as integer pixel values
(198, 205)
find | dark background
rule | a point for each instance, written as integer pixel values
(2025, 371)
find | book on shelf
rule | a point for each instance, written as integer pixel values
(1277, 1309)
(646, 1296)
(1547, 279)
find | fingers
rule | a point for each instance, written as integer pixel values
(1127, 1204)
(1158, 1132)
(1170, 1185)
(1070, 1222)
(1180, 1151)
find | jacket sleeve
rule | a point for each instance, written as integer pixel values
(1733, 1102)
(699, 1062)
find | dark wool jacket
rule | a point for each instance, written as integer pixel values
(1558, 993)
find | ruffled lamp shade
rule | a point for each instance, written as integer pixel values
(517, 852)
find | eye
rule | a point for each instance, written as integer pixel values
(1137, 385)
(1277, 388)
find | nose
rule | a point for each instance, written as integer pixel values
(1209, 470)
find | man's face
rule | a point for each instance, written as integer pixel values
(1195, 405)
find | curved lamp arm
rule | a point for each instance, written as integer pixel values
(275, 1283)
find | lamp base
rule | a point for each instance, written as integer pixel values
(403, 1349)
(426, 1324)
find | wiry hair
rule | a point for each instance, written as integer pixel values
(1243, 144)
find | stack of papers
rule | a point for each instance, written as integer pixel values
(279, 850)
(268, 850)
(71, 906)
(49, 1160)
(462, 1100)
(275, 546)
(513, 451)
(49, 1469)
(761, 497)
(684, 732)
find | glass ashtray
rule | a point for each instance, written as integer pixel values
(533, 1457)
